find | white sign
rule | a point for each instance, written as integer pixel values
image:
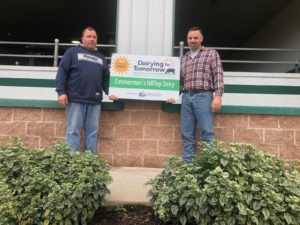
(144, 77)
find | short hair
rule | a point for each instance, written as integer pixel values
(88, 28)
(196, 29)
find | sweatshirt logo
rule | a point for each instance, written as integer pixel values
(90, 58)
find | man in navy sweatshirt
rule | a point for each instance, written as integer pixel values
(82, 76)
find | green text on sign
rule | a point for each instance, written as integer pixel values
(144, 83)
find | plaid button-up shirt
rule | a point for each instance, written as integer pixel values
(203, 72)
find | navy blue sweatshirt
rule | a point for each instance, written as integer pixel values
(82, 75)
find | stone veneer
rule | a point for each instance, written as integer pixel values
(142, 135)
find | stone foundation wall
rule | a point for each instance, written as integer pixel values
(143, 135)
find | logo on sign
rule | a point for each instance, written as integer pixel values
(121, 65)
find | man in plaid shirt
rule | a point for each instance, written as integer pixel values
(202, 88)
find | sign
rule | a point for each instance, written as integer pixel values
(144, 77)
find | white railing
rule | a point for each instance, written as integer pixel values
(181, 48)
(53, 50)
(56, 46)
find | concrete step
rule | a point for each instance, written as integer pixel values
(128, 186)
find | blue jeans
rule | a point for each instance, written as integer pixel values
(195, 108)
(86, 116)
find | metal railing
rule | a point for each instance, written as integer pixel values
(56, 46)
(296, 63)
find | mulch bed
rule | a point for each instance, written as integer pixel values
(126, 215)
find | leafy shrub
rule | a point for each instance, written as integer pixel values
(39, 186)
(7, 205)
(239, 186)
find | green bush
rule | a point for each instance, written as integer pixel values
(39, 186)
(7, 204)
(238, 186)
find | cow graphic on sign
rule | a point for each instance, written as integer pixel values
(169, 63)
(170, 71)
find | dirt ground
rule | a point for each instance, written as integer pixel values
(126, 215)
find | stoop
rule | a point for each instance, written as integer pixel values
(128, 186)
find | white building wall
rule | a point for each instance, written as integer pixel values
(282, 31)
(145, 27)
(275, 93)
